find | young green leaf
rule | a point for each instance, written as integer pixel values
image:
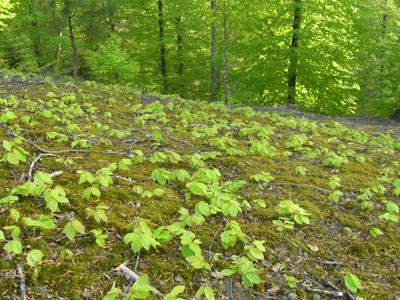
(352, 283)
(72, 228)
(197, 188)
(112, 294)
(34, 257)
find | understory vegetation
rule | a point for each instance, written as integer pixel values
(189, 199)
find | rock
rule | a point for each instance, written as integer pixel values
(276, 268)
(178, 279)
(292, 296)
(316, 297)
(217, 275)
(85, 294)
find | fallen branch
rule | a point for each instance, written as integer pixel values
(64, 237)
(186, 143)
(330, 262)
(137, 260)
(133, 276)
(215, 236)
(35, 161)
(327, 283)
(56, 174)
(262, 295)
(169, 136)
(324, 262)
(22, 287)
(304, 274)
(130, 180)
(300, 185)
(127, 272)
(72, 150)
(326, 292)
(47, 294)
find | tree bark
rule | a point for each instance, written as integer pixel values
(214, 52)
(227, 91)
(179, 64)
(294, 60)
(74, 58)
(163, 51)
(35, 39)
(385, 18)
(179, 45)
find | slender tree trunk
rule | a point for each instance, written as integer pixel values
(179, 46)
(227, 90)
(294, 60)
(214, 52)
(35, 39)
(57, 28)
(74, 58)
(385, 19)
(163, 51)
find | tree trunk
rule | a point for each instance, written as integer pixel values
(294, 60)
(74, 58)
(214, 52)
(163, 51)
(35, 39)
(227, 91)
(385, 19)
(179, 46)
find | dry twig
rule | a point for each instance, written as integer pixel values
(133, 276)
(22, 287)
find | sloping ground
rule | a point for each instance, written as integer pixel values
(92, 177)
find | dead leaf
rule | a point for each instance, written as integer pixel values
(313, 248)
(273, 290)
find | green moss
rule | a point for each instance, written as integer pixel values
(91, 267)
(363, 248)
(350, 220)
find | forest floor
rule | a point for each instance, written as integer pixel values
(293, 205)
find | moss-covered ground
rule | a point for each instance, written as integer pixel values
(99, 125)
